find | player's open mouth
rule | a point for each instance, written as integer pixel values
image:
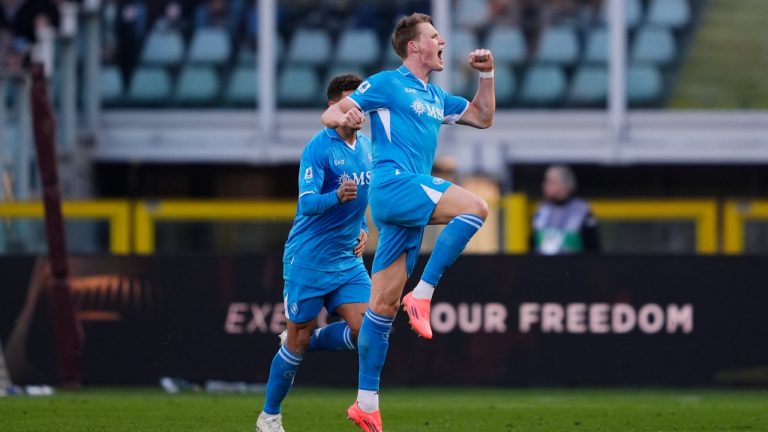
(440, 55)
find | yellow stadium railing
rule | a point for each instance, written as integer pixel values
(117, 213)
(518, 213)
(736, 214)
(147, 213)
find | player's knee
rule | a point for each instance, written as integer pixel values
(479, 208)
(385, 307)
(300, 341)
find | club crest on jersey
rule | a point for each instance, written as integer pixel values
(364, 87)
(420, 108)
(308, 174)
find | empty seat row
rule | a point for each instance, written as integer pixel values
(665, 13)
(651, 44)
(541, 85)
(547, 85)
(196, 85)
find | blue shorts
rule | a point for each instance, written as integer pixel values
(401, 206)
(306, 291)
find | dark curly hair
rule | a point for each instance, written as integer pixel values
(340, 84)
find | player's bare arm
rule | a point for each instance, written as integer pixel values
(343, 114)
(479, 113)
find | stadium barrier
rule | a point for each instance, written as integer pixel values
(132, 224)
(116, 213)
(703, 213)
(736, 215)
(498, 320)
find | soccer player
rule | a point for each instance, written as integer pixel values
(322, 264)
(406, 114)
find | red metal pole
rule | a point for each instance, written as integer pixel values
(67, 330)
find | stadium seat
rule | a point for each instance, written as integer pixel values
(197, 85)
(299, 85)
(358, 46)
(150, 85)
(391, 59)
(597, 45)
(669, 13)
(505, 82)
(461, 79)
(507, 45)
(462, 42)
(111, 85)
(163, 47)
(210, 46)
(242, 88)
(472, 13)
(634, 13)
(589, 85)
(543, 85)
(247, 54)
(310, 46)
(643, 84)
(558, 45)
(654, 45)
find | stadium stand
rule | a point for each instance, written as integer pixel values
(567, 44)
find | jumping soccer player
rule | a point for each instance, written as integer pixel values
(406, 115)
(322, 264)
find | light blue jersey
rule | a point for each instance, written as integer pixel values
(406, 115)
(325, 232)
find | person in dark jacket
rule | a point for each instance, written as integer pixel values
(563, 224)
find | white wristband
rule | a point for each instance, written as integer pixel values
(488, 74)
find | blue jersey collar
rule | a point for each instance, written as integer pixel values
(407, 72)
(335, 136)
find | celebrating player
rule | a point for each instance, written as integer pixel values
(406, 115)
(322, 264)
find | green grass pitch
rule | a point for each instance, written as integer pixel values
(445, 410)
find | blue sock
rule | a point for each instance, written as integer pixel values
(333, 337)
(281, 375)
(372, 346)
(450, 243)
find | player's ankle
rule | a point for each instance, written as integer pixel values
(423, 291)
(368, 400)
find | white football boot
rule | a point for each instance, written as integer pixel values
(269, 423)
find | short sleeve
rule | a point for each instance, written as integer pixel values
(312, 171)
(372, 93)
(453, 108)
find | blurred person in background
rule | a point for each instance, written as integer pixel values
(563, 224)
(20, 21)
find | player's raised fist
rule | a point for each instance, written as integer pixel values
(347, 191)
(353, 119)
(481, 59)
